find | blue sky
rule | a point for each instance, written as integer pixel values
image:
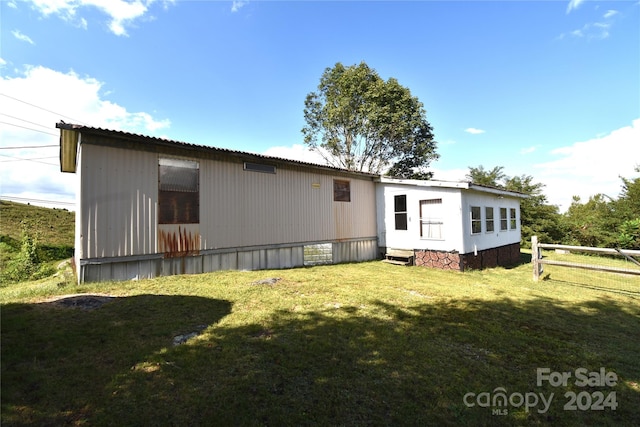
(546, 88)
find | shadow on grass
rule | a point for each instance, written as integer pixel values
(525, 258)
(58, 363)
(633, 291)
(372, 364)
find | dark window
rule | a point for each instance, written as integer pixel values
(178, 192)
(400, 209)
(257, 167)
(513, 222)
(476, 220)
(341, 191)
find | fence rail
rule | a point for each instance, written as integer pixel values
(538, 261)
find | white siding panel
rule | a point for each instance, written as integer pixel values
(486, 240)
(118, 205)
(245, 208)
(410, 238)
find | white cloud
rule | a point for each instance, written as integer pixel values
(22, 37)
(2, 62)
(12, 5)
(33, 103)
(573, 4)
(528, 150)
(297, 152)
(474, 131)
(122, 13)
(591, 167)
(594, 30)
(237, 5)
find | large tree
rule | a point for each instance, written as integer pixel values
(607, 222)
(491, 178)
(360, 122)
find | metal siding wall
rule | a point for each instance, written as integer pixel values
(117, 216)
(244, 208)
(118, 204)
(129, 268)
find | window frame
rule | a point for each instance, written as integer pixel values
(341, 190)
(431, 221)
(401, 218)
(489, 220)
(513, 219)
(475, 221)
(504, 220)
(172, 203)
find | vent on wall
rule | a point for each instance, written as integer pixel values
(321, 253)
(257, 167)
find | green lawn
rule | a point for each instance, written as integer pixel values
(356, 344)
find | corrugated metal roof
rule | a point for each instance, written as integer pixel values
(465, 185)
(128, 136)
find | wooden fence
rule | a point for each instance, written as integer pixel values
(539, 262)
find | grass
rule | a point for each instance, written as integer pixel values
(590, 279)
(53, 229)
(354, 344)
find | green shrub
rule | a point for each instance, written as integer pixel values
(629, 237)
(26, 264)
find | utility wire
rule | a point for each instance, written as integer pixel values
(24, 127)
(26, 121)
(29, 160)
(24, 199)
(18, 159)
(43, 109)
(28, 146)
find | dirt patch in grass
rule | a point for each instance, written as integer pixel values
(81, 301)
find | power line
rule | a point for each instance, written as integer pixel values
(29, 160)
(28, 146)
(24, 199)
(24, 127)
(26, 121)
(43, 109)
(17, 159)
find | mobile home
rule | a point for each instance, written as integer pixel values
(150, 207)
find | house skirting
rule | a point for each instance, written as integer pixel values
(488, 258)
(241, 258)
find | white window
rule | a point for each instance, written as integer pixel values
(476, 220)
(503, 219)
(431, 219)
(488, 219)
(514, 223)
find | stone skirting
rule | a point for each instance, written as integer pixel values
(488, 258)
(438, 259)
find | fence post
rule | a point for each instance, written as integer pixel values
(535, 257)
